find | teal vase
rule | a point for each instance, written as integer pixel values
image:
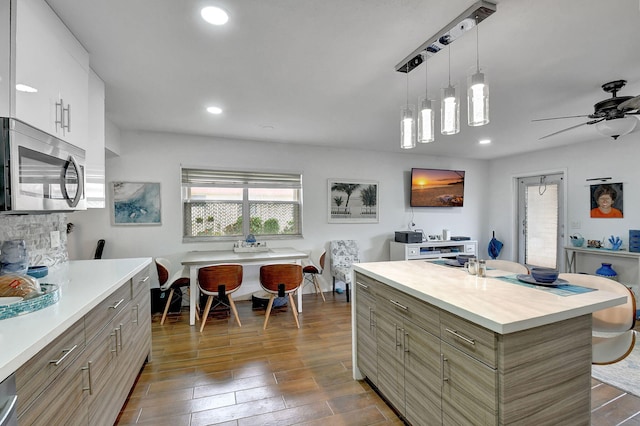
(607, 271)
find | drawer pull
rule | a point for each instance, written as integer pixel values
(62, 358)
(366, 287)
(88, 369)
(399, 305)
(116, 305)
(144, 280)
(443, 359)
(458, 335)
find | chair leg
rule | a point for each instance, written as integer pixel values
(294, 309)
(268, 312)
(233, 307)
(348, 292)
(318, 289)
(334, 284)
(206, 312)
(166, 307)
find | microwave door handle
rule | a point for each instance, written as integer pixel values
(74, 202)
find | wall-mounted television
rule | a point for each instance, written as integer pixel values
(437, 188)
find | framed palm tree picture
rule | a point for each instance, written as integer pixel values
(353, 201)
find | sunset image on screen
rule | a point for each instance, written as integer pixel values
(437, 188)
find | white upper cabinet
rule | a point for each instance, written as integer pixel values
(95, 172)
(48, 58)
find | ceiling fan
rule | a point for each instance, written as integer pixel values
(610, 115)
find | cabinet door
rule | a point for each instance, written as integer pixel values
(389, 329)
(366, 330)
(422, 376)
(49, 59)
(469, 391)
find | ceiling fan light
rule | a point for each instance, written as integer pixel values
(616, 127)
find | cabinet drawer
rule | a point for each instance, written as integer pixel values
(470, 338)
(102, 314)
(420, 313)
(366, 286)
(37, 373)
(140, 282)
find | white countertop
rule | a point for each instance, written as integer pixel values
(490, 302)
(84, 284)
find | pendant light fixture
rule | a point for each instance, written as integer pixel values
(449, 107)
(477, 92)
(407, 124)
(426, 114)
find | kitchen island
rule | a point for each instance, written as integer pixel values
(446, 347)
(75, 361)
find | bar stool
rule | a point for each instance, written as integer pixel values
(311, 273)
(178, 279)
(280, 280)
(219, 281)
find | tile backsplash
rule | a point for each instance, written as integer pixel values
(36, 230)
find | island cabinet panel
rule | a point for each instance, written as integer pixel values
(366, 328)
(435, 367)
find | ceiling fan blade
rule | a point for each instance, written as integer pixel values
(631, 104)
(560, 118)
(571, 128)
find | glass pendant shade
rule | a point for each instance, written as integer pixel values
(477, 99)
(426, 118)
(407, 128)
(450, 111)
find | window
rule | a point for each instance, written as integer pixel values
(225, 205)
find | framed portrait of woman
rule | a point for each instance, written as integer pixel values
(607, 201)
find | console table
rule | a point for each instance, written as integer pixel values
(431, 249)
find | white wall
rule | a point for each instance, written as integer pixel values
(600, 158)
(156, 157)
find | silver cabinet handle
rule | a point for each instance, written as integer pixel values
(460, 336)
(366, 287)
(119, 337)
(145, 279)
(62, 358)
(401, 306)
(88, 369)
(114, 335)
(396, 336)
(68, 110)
(137, 308)
(116, 305)
(443, 359)
(404, 340)
(60, 121)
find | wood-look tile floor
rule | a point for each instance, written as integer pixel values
(230, 375)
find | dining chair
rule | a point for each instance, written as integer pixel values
(507, 265)
(170, 281)
(311, 273)
(613, 337)
(281, 280)
(219, 281)
(344, 253)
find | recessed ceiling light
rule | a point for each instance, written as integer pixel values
(25, 88)
(214, 110)
(484, 141)
(214, 15)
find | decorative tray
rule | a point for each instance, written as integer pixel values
(50, 295)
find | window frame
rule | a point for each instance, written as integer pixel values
(245, 179)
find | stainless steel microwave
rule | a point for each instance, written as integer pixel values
(40, 173)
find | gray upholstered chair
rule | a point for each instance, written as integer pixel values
(344, 253)
(613, 335)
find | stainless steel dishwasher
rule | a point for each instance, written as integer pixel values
(8, 402)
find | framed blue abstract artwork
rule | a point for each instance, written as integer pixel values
(136, 203)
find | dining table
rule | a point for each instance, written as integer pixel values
(198, 259)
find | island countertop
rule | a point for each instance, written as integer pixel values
(83, 285)
(493, 303)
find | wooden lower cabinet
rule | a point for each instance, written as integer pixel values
(366, 330)
(92, 382)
